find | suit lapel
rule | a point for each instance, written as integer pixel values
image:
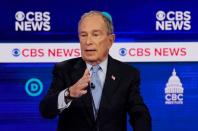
(77, 73)
(111, 80)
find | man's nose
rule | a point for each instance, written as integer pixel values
(89, 40)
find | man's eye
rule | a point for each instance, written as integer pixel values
(96, 34)
(83, 35)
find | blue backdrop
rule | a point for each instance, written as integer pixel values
(134, 21)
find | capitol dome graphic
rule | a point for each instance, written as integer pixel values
(174, 84)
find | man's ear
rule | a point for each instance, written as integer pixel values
(112, 38)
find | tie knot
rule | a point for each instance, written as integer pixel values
(95, 68)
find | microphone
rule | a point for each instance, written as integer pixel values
(92, 85)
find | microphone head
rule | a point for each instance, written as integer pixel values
(92, 86)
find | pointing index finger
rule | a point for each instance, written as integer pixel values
(86, 73)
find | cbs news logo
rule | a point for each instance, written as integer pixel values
(32, 21)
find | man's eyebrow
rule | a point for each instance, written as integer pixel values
(97, 30)
(81, 32)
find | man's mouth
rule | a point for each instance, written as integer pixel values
(90, 50)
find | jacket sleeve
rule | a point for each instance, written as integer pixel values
(140, 118)
(48, 105)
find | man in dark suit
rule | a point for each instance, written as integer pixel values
(95, 92)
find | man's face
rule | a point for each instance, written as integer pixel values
(95, 42)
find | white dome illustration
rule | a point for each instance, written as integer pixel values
(174, 84)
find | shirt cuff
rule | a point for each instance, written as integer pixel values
(61, 101)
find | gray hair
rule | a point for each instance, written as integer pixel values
(106, 17)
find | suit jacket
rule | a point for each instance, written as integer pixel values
(119, 97)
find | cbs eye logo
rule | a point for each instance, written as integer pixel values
(16, 52)
(160, 15)
(32, 21)
(122, 51)
(20, 16)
